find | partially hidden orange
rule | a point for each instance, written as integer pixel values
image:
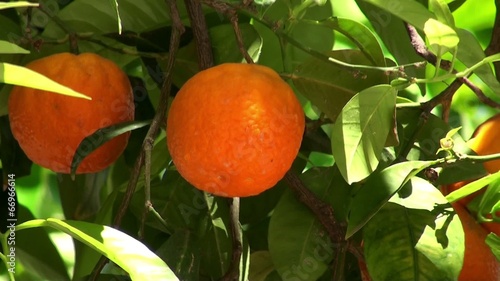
(485, 140)
(49, 127)
(479, 262)
(234, 129)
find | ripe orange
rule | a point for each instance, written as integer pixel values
(234, 129)
(49, 127)
(479, 262)
(485, 141)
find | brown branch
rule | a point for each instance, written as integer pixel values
(239, 37)
(443, 98)
(420, 48)
(200, 32)
(177, 30)
(324, 212)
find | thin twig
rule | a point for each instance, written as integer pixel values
(233, 272)
(177, 30)
(239, 37)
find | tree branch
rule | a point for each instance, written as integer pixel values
(200, 32)
(177, 30)
(420, 48)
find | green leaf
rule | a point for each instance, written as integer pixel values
(472, 187)
(101, 136)
(37, 256)
(217, 248)
(305, 243)
(17, 5)
(442, 38)
(261, 265)
(493, 242)
(377, 191)
(416, 237)
(128, 253)
(329, 87)
(182, 253)
(410, 11)
(442, 11)
(359, 34)
(18, 75)
(225, 46)
(470, 52)
(9, 48)
(392, 30)
(489, 206)
(135, 16)
(360, 131)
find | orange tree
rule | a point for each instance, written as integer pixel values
(382, 96)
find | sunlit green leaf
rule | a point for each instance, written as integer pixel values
(7, 47)
(472, 187)
(415, 236)
(360, 131)
(128, 253)
(17, 5)
(18, 75)
(377, 190)
(442, 38)
(493, 242)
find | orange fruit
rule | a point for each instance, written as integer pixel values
(234, 129)
(485, 141)
(479, 262)
(49, 127)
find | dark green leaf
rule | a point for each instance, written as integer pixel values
(225, 46)
(470, 52)
(329, 87)
(182, 253)
(101, 136)
(261, 265)
(359, 34)
(305, 245)
(135, 16)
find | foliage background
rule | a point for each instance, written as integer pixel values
(275, 247)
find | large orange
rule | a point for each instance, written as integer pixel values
(234, 129)
(49, 127)
(479, 262)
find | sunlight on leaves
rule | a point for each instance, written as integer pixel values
(18, 75)
(360, 131)
(442, 38)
